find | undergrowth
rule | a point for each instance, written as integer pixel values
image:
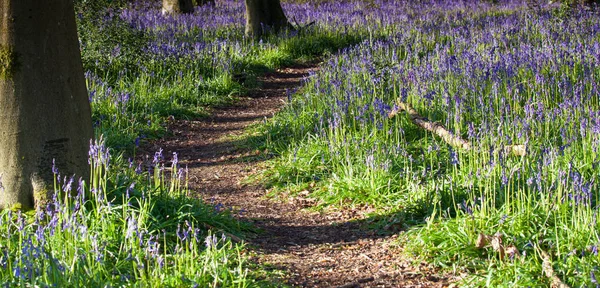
(135, 223)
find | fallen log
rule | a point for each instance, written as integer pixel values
(448, 137)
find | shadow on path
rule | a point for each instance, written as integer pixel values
(316, 249)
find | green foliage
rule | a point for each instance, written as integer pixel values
(129, 227)
(133, 90)
(123, 228)
(479, 73)
(142, 228)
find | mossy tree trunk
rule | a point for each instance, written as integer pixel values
(177, 6)
(264, 16)
(45, 115)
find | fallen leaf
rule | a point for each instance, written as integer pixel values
(482, 241)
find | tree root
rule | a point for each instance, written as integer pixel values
(439, 130)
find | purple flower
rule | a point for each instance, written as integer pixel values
(68, 185)
(502, 219)
(54, 168)
(453, 157)
(131, 227)
(381, 107)
(466, 208)
(157, 157)
(175, 159)
(129, 189)
(138, 169)
(211, 241)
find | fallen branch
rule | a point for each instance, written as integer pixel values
(549, 271)
(433, 127)
(445, 134)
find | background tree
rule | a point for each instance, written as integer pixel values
(45, 115)
(263, 16)
(204, 2)
(177, 6)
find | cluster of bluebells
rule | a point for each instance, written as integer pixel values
(207, 44)
(494, 79)
(493, 74)
(86, 229)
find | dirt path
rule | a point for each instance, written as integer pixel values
(315, 249)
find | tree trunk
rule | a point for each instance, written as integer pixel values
(177, 6)
(264, 16)
(591, 3)
(204, 2)
(45, 115)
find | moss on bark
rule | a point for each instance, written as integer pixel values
(9, 62)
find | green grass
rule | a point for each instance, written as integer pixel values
(495, 75)
(123, 228)
(135, 226)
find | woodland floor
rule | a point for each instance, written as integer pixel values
(313, 249)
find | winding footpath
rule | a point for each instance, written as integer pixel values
(314, 249)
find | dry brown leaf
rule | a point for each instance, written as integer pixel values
(482, 241)
(512, 252)
(497, 242)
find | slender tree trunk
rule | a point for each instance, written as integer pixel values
(45, 115)
(264, 16)
(177, 6)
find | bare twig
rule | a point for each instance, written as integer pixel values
(445, 134)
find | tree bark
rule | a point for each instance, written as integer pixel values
(264, 16)
(591, 3)
(45, 115)
(204, 2)
(177, 7)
